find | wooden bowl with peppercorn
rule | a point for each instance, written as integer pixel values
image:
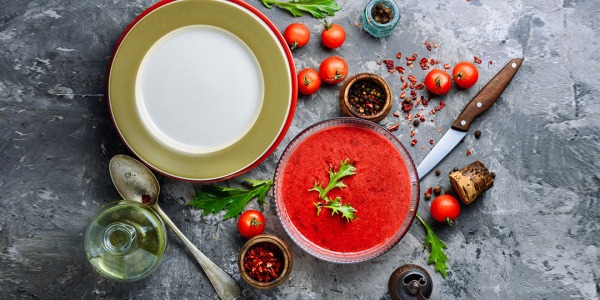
(366, 96)
(265, 262)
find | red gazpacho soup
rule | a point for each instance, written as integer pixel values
(381, 191)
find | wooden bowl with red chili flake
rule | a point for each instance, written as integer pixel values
(265, 261)
(366, 96)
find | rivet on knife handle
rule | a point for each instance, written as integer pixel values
(487, 96)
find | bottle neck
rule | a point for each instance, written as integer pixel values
(119, 238)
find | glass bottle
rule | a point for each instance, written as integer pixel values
(372, 21)
(125, 240)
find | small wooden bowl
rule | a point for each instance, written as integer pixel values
(350, 111)
(287, 261)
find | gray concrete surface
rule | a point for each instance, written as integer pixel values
(534, 235)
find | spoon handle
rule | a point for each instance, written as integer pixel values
(224, 285)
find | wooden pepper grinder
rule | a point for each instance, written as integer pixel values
(410, 282)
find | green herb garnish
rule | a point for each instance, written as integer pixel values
(437, 255)
(317, 8)
(335, 180)
(216, 198)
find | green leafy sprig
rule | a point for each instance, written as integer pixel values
(214, 198)
(335, 181)
(437, 255)
(317, 8)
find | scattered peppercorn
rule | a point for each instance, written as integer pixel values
(493, 174)
(366, 97)
(416, 122)
(382, 14)
(438, 172)
(427, 196)
(437, 190)
(477, 134)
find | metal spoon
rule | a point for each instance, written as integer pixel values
(136, 182)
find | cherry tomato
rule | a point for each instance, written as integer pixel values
(333, 69)
(465, 74)
(296, 35)
(251, 223)
(309, 81)
(438, 82)
(445, 208)
(333, 35)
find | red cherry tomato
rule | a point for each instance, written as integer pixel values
(296, 35)
(309, 81)
(438, 82)
(251, 223)
(333, 69)
(333, 35)
(445, 208)
(465, 74)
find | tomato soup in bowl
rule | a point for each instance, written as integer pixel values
(380, 194)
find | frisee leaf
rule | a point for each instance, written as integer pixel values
(317, 8)
(335, 178)
(437, 255)
(346, 210)
(214, 198)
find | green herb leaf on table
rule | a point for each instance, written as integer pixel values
(335, 178)
(437, 255)
(214, 198)
(317, 8)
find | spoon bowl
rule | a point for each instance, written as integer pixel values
(134, 181)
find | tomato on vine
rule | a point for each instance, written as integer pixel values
(438, 82)
(296, 35)
(465, 74)
(251, 223)
(309, 81)
(333, 35)
(333, 69)
(445, 208)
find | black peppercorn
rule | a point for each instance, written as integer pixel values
(416, 122)
(437, 190)
(438, 172)
(477, 134)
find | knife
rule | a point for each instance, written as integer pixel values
(480, 103)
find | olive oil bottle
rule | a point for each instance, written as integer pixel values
(125, 241)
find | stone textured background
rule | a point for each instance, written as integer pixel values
(534, 235)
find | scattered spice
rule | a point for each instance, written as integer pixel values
(399, 55)
(396, 114)
(264, 262)
(389, 64)
(412, 133)
(437, 190)
(413, 142)
(468, 152)
(400, 69)
(493, 174)
(382, 14)
(476, 59)
(446, 66)
(427, 196)
(431, 141)
(438, 172)
(416, 122)
(477, 134)
(393, 127)
(366, 97)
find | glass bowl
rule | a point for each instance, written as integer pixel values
(383, 217)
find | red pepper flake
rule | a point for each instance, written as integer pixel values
(432, 61)
(427, 43)
(422, 118)
(356, 24)
(402, 78)
(396, 114)
(442, 104)
(413, 142)
(408, 117)
(419, 86)
(400, 69)
(378, 62)
(403, 94)
(407, 106)
(435, 45)
(412, 79)
(446, 66)
(429, 191)
(412, 133)
(413, 93)
(393, 127)
(399, 55)
(264, 262)
(404, 85)
(476, 59)
(490, 62)
(431, 142)
(410, 58)
(411, 66)
(389, 64)
(425, 102)
(468, 152)
(412, 85)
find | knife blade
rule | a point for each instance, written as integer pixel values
(479, 104)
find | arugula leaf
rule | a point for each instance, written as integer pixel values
(346, 210)
(216, 198)
(317, 8)
(346, 169)
(437, 255)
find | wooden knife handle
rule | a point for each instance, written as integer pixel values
(487, 96)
